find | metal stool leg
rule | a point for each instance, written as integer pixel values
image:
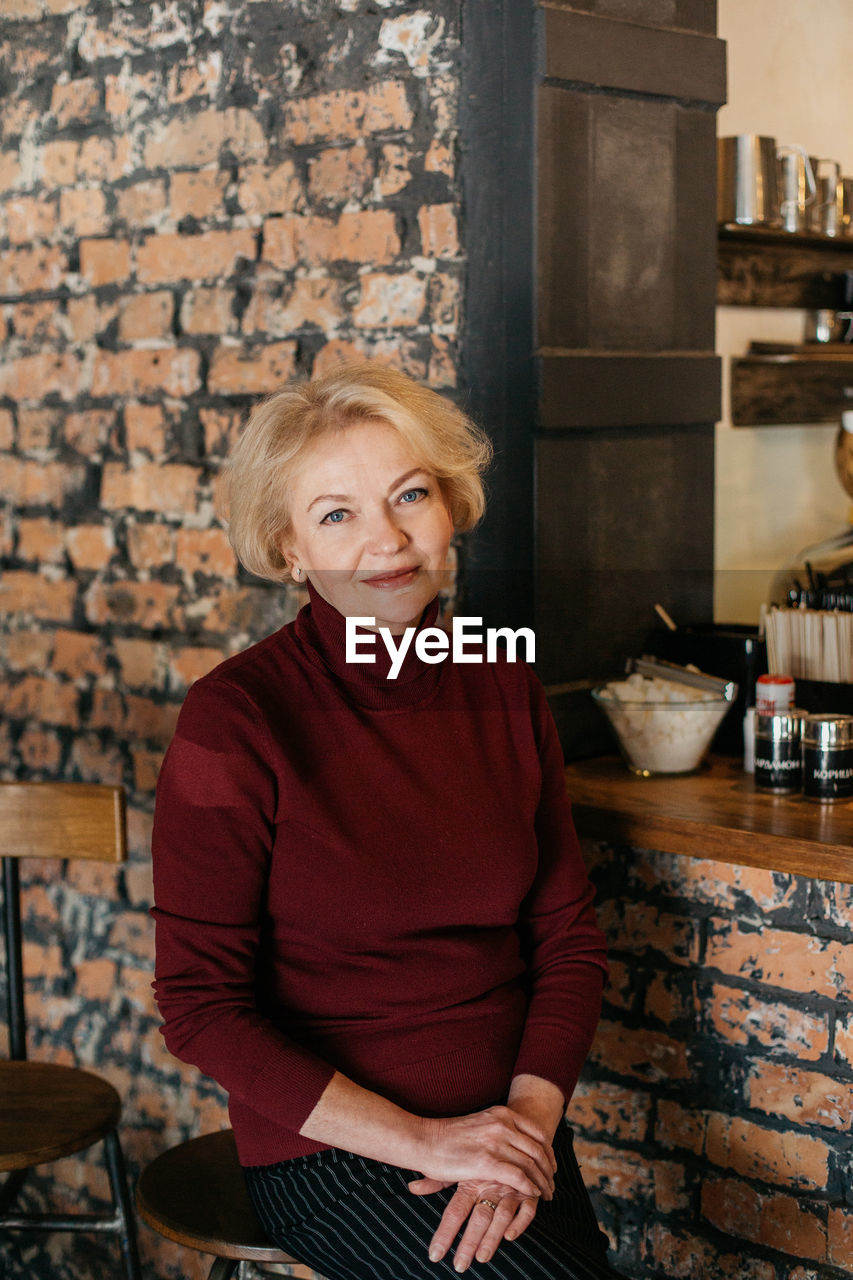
(223, 1269)
(123, 1206)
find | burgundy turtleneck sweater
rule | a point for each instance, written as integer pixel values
(371, 875)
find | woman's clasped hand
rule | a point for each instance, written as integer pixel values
(502, 1164)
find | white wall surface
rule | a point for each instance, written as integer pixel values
(789, 72)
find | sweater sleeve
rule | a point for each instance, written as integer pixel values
(214, 827)
(564, 948)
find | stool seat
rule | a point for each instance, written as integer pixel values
(195, 1194)
(49, 1111)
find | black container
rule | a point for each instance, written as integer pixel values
(778, 757)
(730, 650)
(827, 758)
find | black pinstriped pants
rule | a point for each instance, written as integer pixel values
(350, 1218)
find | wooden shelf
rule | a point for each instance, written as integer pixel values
(760, 267)
(796, 387)
(715, 813)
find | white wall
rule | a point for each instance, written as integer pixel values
(776, 491)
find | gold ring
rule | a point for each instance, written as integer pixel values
(489, 1203)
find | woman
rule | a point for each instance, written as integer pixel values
(374, 927)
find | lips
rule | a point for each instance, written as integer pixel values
(394, 578)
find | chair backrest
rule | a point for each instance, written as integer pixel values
(49, 820)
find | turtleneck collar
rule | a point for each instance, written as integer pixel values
(321, 629)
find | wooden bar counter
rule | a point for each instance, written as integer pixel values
(715, 813)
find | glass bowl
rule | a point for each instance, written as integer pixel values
(660, 737)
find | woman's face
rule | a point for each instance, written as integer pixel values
(370, 526)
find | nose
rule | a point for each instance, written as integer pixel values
(385, 535)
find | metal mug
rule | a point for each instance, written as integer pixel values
(747, 183)
(796, 184)
(823, 216)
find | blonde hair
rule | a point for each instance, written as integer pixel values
(283, 428)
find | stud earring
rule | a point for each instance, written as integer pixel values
(297, 573)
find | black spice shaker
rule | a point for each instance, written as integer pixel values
(778, 758)
(827, 757)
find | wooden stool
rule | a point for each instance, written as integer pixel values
(195, 1194)
(49, 1110)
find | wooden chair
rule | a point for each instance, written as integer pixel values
(195, 1194)
(49, 1111)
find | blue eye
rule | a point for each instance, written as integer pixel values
(412, 495)
(334, 517)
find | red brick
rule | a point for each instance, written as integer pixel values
(240, 371)
(789, 1158)
(312, 301)
(77, 655)
(191, 663)
(339, 174)
(38, 322)
(96, 979)
(205, 551)
(169, 488)
(444, 294)
(104, 261)
(91, 546)
(670, 1184)
(804, 1097)
(27, 482)
(221, 428)
(792, 961)
(390, 301)
(37, 698)
(146, 315)
(665, 1000)
(169, 258)
(142, 604)
(31, 378)
(142, 204)
(733, 1206)
(94, 762)
(639, 927)
(149, 721)
(87, 317)
(398, 352)
(142, 663)
(146, 768)
(32, 270)
(30, 218)
(264, 189)
(677, 1127)
(145, 428)
(74, 101)
(41, 540)
(648, 1055)
(28, 650)
(200, 78)
(394, 173)
(623, 1174)
(89, 431)
(356, 236)
(150, 545)
(792, 1229)
(199, 195)
(610, 1109)
(36, 596)
(439, 231)
(192, 141)
(83, 211)
(840, 1237)
(440, 158)
(170, 370)
(59, 163)
(719, 884)
(7, 429)
(348, 115)
(208, 310)
(40, 750)
(619, 989)
(744, 1019)
(105, 159)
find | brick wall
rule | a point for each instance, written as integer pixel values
(198, 199)
(714, 1115)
